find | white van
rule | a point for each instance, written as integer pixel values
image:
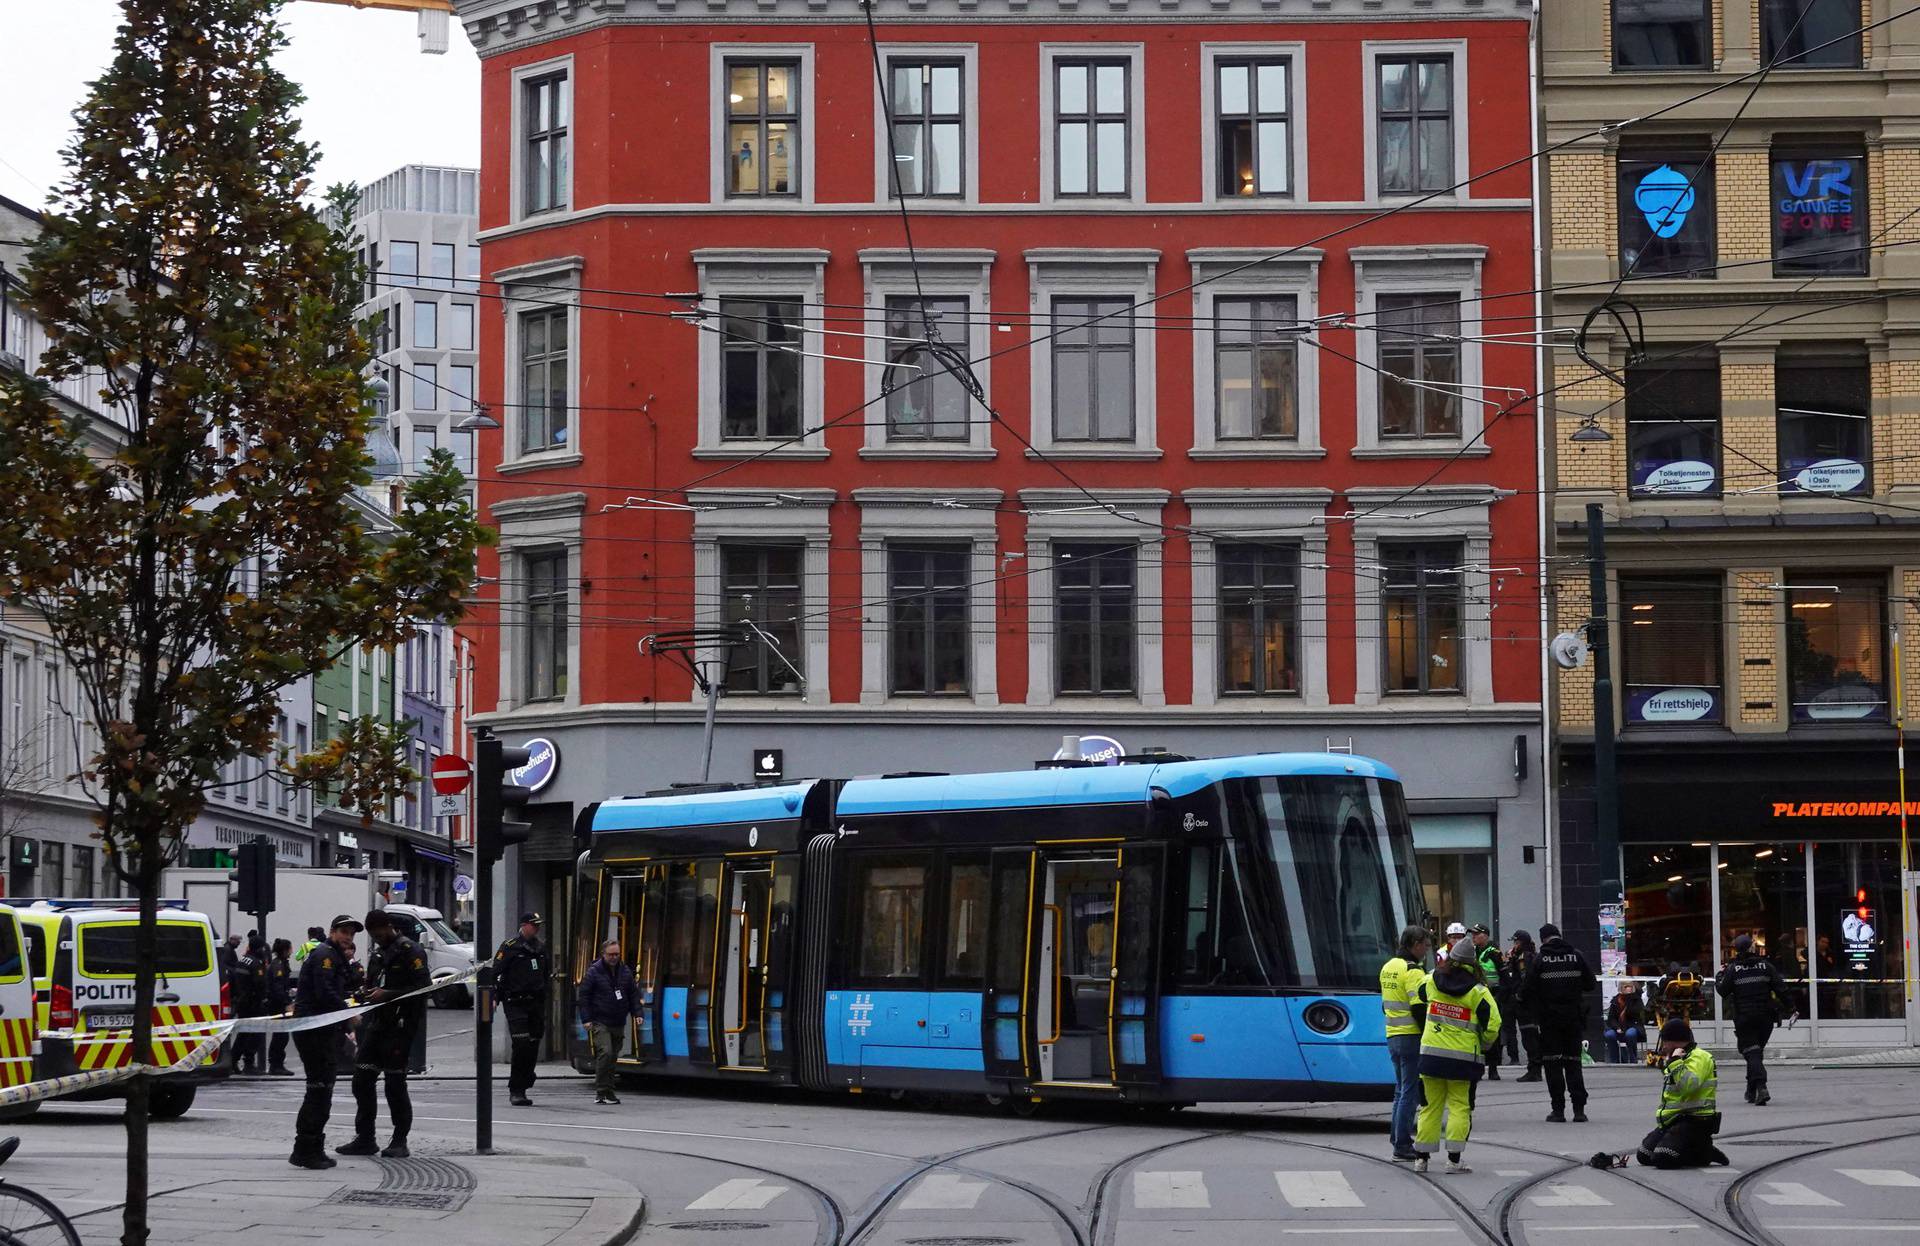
(447, 955)
(17, 1030)
(90, 991)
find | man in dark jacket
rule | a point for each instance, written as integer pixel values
(522, 968)
(323, 990)
(1522, 1028)
(1754, 989)
(279, 998)
(1557, 985)
(608, 999)
(247, 991)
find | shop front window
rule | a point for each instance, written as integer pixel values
(1670, 651)
(1763, 893)
(1836, 642)
(1857, 955)
(1669, 909)
(1455, 855)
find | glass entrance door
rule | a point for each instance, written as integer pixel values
(1074, 963)
(743, 986)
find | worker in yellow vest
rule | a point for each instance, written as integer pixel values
(1459, 1022)
(1400, 980)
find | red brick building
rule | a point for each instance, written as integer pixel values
(1211, 513)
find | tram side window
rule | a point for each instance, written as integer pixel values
(1196, 961)
(1336, 878)
(1220, 948)
(966, 948)
(683, 905)
(892, 900)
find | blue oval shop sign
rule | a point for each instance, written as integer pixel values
(543, 762)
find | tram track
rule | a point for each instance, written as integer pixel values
(1732, 1199)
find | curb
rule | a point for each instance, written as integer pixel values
(617, 1223)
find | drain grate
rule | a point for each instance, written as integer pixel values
(426, 1175)
(718, 1226)
(398, 1198)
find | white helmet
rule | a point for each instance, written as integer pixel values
(1456, 930)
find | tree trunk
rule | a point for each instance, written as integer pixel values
(133, 1220)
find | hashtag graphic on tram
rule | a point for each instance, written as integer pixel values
(860, 1015)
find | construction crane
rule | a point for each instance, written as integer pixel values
(433, 18)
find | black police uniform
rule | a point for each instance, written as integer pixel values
(1557, 985)
(323, 989)
(248, 990)
(1754, 987)
(279, 995)
(522, 969)
(386, 1039)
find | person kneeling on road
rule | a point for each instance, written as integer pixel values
(1689, 1115)
(609, 1000)
(1459, 1022)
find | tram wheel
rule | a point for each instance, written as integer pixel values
(1025, 1106)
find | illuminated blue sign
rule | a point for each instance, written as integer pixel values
(1665, 197)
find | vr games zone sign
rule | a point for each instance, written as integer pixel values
(1817, 226)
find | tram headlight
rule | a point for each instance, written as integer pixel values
(1325, 1017)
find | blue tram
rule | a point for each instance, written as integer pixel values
(1159, 930)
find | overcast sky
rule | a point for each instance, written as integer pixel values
(374, 100)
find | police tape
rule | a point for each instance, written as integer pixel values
(215, 1033)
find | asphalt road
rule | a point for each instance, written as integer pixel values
(1836, 1158)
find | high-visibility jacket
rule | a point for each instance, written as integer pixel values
(1400, 980)
(1689, 1088)
(1462, 1022)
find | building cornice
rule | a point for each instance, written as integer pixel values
(499, 26)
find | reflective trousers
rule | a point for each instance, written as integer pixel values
(1451, 1098)
(1686, 1143)
(1405, 1051)
(320, 1056)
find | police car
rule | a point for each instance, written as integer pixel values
(17, 1029)
(82, 955)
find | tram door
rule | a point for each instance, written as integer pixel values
(1073, 969)
(743, 974)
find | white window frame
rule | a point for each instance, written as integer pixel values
(1077, 272)
(743, 516)
(968, 54)
(1295, 54)
(1056, 516)
(1387, 515)
(531, 526)
(1135, 55)
(1442, 268)
(888, 273)
(1260, 516)
(717, 56)
(1296, 275)
(529, 287)
(517, 161)
(754, 273)
(890, 515)
(1371, 52)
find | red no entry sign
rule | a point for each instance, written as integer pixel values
(451, 774)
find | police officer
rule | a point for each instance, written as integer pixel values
(323, 989)
(279, 995)
(1756, 990)
(1459, 1021)
(396, 967)
(247, 986)
(521, 971)
(1488, 955)
(1400, 980)
(1689, 1114)
(1557, 986)
(1522, 1032)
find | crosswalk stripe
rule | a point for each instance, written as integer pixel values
(1559, 1195)
(1793, 1194)
(739, 1194)
(1154, 1190)
(1317, 1189)
(1880, 1176)
(943, 1191)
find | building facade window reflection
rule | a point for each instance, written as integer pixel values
(1857, 950)
(1669, 909)
(1763, 893)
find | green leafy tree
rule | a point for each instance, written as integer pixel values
(183, 260)
(362, 768)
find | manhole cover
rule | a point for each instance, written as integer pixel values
(426, 1174)
(718, 1226)
(962, 1241)
(397, 1198)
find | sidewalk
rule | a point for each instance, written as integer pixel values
(513, 1199)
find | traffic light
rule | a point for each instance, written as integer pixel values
(253, 877)
(494, 799)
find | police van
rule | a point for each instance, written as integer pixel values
(17, 1028)
(82, 953)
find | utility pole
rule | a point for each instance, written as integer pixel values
(1606, 768)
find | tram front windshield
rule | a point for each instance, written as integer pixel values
(1338, 852)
